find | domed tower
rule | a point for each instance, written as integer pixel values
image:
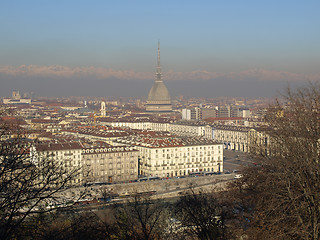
(159, 99)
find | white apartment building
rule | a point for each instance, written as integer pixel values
(233, 137)
(190, 129)
(69, 154)
(180, 160)
(171, 156)
(103, 164)
(186, 114)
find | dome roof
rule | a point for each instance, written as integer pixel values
(159, 92)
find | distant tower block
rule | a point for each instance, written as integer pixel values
(103, 109)
(159, 99)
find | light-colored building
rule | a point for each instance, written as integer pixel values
(95, 164)
(186, 114)
(196, 114)
(111, 164)
(259, 140)
(208, 113)
(224, 111)
(68, 154)
(178, 128)
(16, 99)
(233, 137)
(172, 156)
(103, 109)
(190, 129)
(180, 160)
(245, 113)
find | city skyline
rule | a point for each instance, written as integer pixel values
(208, 48)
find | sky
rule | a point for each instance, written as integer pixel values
(211, 48)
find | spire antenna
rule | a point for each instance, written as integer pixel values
(158, 54)
(158, 74)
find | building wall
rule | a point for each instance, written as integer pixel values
(234, 138)
(190, 130)
(196, 114)
(113, 164)
(180, 161)
(224, 111)
(71, 159)
(209, 113)
(186, 114)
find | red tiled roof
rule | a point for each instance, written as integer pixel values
(58, 146)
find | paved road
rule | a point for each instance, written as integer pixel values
(234, 160)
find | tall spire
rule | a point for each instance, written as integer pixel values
(158, 74)
(159, 99)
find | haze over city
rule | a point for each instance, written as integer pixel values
(208, 48)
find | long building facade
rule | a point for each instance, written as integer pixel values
(103, 164)
(169, 156)
(180, 160)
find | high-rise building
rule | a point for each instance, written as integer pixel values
(186, 114)
(159, 99)
(196, 114)
(224, 111)
(208, 113)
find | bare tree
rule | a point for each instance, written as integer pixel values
(283, 189)
(60, 225)
(141, 218)
(26, 186)
(200, 215)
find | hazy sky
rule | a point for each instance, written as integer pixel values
(50, 46)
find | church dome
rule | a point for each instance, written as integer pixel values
(159, 92)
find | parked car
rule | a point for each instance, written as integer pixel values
(237, 176)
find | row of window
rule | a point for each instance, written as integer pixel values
(180, 167)
(188, 149)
